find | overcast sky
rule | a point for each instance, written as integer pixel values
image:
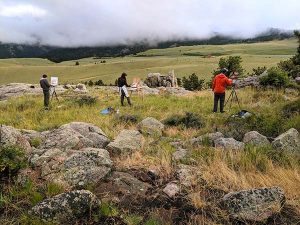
(105, 22)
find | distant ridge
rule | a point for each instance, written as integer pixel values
(59, 54)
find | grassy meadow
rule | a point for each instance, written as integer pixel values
(185, 60)
(252, 168)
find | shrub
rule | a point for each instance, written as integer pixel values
(99, 83)
(35, 142)
(76, 63)
(259, 70)
(86, 100)
(291, 109)
(275, 77)
(12, 158)
(90, 83)
(192, 83)
(189, 120)
(232, 63)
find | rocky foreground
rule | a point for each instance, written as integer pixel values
(78, 154)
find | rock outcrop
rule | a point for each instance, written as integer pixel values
(151, 126)
(19, 89)
(229, 144)
(206, 139)
(11, 136)
(67, 207)
(255, 204)
(288, 141)
(256, 139)
(126, 142)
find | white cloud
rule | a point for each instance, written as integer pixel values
(22, 10)
(103, 22)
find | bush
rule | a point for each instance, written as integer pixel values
(76, 63)
(99, 83)
(189, 120)
(86, 100)
(12, 158)
(192, 83)
(258, 71)
(90, 83)
(275, 77)
(232, 63)
(291, 109)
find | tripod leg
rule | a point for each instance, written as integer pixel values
(237, 99)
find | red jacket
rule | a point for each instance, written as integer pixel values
(220, 83)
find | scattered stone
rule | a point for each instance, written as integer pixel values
(256, 139)
(289, 141)
(126, 142)
(179, 154)
(254, 204)
(67, 207)
(229, 144)
(11, 136)
(171, 190)
(291, 91)
(151, 126)
(297, 80)
(188, 176)
(206, 139)
(80, 88)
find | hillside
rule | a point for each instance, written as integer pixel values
(185, 60)
(59, 54)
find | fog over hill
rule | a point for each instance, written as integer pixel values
(89, 23)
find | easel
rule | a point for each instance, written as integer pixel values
(54, 94)
(137, 86)
(233, 97)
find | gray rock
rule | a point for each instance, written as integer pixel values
(229, 144)
(256, 139)
(81, 88)
(12, 136)
(291, 91)
(179, 154)
(67, 207)
(87, 166)
(188, 176)
(151, 126)
(72, 168)
(254, 204)
(171, 190)
(289, 141)
(126, 142)
(75, 135)
(206, 139)
(297, 80)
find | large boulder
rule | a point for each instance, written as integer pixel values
(289, 141)
(75, 135)
(151, 126)
(80, 88)
(254, 204)
(256, 139)
(126, 142)
(123, 188)
(67, 207)
(206, 139)
(12, 136)
(229, 144)
(72, 168)
(87, 166)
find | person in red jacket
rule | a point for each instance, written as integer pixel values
(220, 82)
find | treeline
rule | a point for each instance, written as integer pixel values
(59, 54)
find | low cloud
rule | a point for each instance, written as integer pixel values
(99, 23)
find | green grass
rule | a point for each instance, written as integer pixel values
(155, 60)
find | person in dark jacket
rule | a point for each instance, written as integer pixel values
(46, 90)
(220, 82)
(122, 84)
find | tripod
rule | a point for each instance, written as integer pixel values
(233, 97)
(54, 94)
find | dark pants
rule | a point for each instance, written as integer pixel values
(46, 98)
(123, 96)
(217, 97)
